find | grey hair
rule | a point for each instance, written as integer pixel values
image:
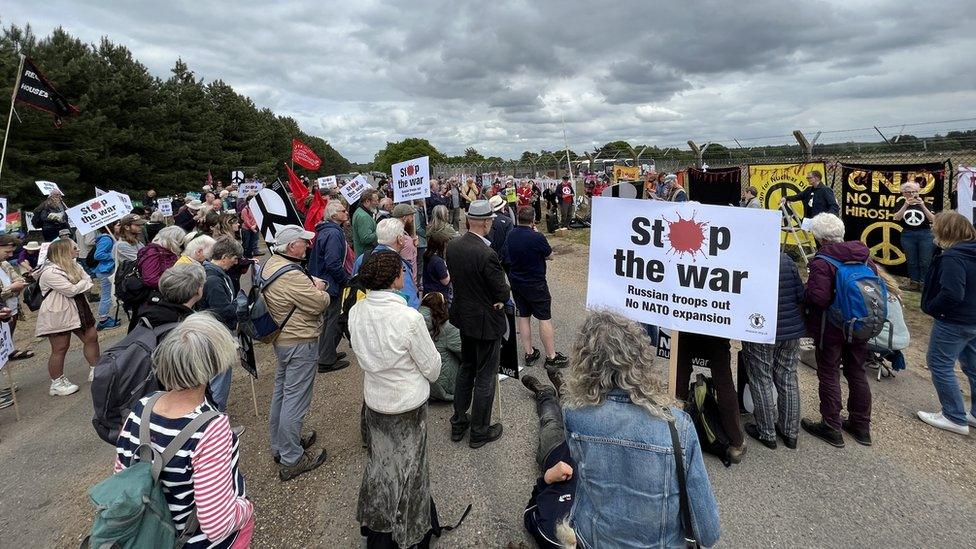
(440, 216)
(226, 246)
(157, 217)
(908, 184)
(612, 352)
(194, 352)
(332, 208)
(200, 243)
(180, 283)
(170, 238)
(827, 227)
(388, 230)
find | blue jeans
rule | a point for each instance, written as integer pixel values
(220, 388)
(105, 299)
(948, 343)
(918, 247)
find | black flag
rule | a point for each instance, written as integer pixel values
(272, 209)
(36, 91)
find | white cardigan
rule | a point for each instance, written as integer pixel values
(394, 350)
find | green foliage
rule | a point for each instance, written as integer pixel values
(135, 130)
(407, 149)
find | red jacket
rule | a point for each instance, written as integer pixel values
(152, 261)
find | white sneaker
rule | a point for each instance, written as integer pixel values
(62, 387)
(971, 419)
(936, 419)
(91, 373)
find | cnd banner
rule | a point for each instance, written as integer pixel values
(871, 194)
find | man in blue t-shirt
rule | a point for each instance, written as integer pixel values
(524, 256)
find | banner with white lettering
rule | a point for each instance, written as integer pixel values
(411, 179)
(47, 186)
(965, 181)
(245, 189)
(354, 188)
(165, 206)
(98, 212)
(686, 266)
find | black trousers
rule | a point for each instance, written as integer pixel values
(715, 354)
(475, 385)
(552, 433)
(331, 335)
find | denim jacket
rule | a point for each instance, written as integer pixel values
(627, 493)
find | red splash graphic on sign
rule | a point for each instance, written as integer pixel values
(686, 236)
(410, 169)
(95, 205)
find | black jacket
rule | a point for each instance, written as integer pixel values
(817, 201)
(159, 312)
(789, 318)
(500, 227)
(479, 282)
(43, 221)
(218, 296)
(949, 293)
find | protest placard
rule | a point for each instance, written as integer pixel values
(237, 177)
(273, 209)
(42, 253)
(251, 187)
(965, 180)
(165, 206)
(124, 199)
(94, 214)
(354, 188)
(100, 192)
(411, 179)
(29, 220)
(625, 173)
(47, 186)
(774, 182)
(685, 266)
(6, 344)
(327, 182)
(3, 214)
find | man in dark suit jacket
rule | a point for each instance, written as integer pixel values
(480, 293)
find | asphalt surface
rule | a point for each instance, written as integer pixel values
(913, 488)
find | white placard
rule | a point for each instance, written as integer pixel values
(686, 266)
(411, 179)
(124, 198)
(29, 221)
(42, 253)
(3, 214)
(94, 214)
(246, 188)
(47, 186)
(354, 188)
(965, 180)
(327, 182)
(99, 192)
(6, 344)
(165, 206)
(237, 177)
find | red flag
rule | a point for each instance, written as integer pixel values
(305, 157)
(316, 211)
(298, 189)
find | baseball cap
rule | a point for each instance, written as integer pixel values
(290, 233)
(131, 219)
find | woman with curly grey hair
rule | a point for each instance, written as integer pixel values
(621, 427)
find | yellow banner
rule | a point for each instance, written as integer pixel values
(774, 181)
(626, 173)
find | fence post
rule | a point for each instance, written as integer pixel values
(806, 147)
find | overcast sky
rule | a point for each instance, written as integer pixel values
(500, 76)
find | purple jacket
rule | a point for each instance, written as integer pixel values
(820, 284)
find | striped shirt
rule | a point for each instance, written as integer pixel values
(203, 475)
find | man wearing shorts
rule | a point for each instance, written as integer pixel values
(525, 254)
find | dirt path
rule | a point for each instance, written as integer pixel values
(914, 487)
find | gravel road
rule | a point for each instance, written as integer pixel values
(915, 487)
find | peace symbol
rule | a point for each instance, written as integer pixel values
(784, 188)
(914, 218)
(883, 251)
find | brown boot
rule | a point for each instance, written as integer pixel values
(306, 463)
(736, 453)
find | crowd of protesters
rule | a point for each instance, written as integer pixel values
(423, 291)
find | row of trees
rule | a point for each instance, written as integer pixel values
(135, 130)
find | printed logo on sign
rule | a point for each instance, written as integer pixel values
(95, 205)
(757, 321)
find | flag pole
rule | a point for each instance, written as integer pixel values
(10, 115)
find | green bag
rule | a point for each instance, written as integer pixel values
(131, 508)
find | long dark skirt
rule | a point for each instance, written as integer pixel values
(395, 494)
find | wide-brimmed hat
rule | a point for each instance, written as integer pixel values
(194, 204)
(480, 209)
(33, 246)
(401, 210)
(497, 203)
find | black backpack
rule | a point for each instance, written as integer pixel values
(702, 406)
(124, 374)
(129, 287)
(351, 294)
(33, 297)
